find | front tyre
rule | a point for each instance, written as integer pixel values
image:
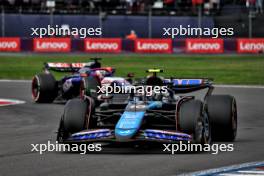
(76, 117)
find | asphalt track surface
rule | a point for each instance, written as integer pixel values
(22, 125)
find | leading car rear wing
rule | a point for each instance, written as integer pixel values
(65, 67)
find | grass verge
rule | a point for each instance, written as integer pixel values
(224, 69)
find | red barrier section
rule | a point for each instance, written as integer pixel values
(115, 45)
(52, 44)
(10, 44)
(153, 46)
(255, 45)
(204, 45)
(103, 45)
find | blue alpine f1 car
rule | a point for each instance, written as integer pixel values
(169, 116)
(45, 88)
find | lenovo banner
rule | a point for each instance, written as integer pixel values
(153, 46)
(52, 44)
(10, 44)
(103, 45)
(204, 45)
(250, 45)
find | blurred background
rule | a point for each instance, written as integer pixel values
(128, 20)
(146, 17)
(132, 30)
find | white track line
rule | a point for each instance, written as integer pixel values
(231, 174)
(252, 172)
(11, 101)
(240, 86)
(225, 169)
(15, 81)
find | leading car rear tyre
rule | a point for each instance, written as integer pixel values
(44, 88)
(222, 113)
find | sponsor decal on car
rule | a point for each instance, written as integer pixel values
(106, 45)
(9, 44)
(59, 65)
(250, 45)
(65, 65)
(185, 82)
(204, 45)
(52, 44)
(7, 102)
(153, 46)
(109, 80)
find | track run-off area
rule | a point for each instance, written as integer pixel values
(24, 124)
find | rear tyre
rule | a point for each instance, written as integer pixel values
(44, 88)
(222, 111)
(76, 117)
(193, 120)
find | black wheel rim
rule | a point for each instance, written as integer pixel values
(207, 131)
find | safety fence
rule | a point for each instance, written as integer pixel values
(140, 45)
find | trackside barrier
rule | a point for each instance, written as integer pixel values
(204, 45)
(103, 45)
(153, 45)
(255, 45)
(52, 44)
(118, 45)
(8, 44)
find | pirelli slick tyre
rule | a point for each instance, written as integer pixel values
(76, 117)
(194, 120)
(222, 111)
(44, 88)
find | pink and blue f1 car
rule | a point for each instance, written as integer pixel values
(45, 88)
(165, 117)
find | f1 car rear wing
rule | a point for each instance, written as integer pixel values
(186, 85)
(71, 67)
(182, 85)
(64, 67)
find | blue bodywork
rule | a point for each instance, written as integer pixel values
(77, 77)
(131, 120)
(184, 82)
(73, 81)
(129, 125)
(92, 134)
